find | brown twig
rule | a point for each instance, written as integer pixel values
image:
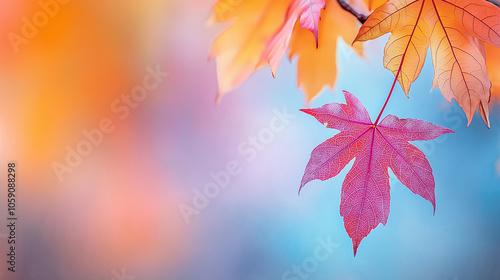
(361, 17)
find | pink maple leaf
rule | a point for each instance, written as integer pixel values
(365, 198)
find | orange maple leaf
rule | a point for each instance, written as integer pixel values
(239, 49)
(247, 45)
(449, 28)
(317, 67)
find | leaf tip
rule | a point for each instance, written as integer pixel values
(355, 246)
(218, 98)
(211, 55)
(445, 130)
(302, 184)
(485, 112)
(346, 93)
(307, 111)
(433, 202)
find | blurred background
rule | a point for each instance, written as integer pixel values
(143, 203)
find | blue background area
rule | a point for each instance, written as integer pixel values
(258, 227)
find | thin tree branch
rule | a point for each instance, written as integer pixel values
(361, 17)
(494, 2)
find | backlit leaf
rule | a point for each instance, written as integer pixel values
(365, 197)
